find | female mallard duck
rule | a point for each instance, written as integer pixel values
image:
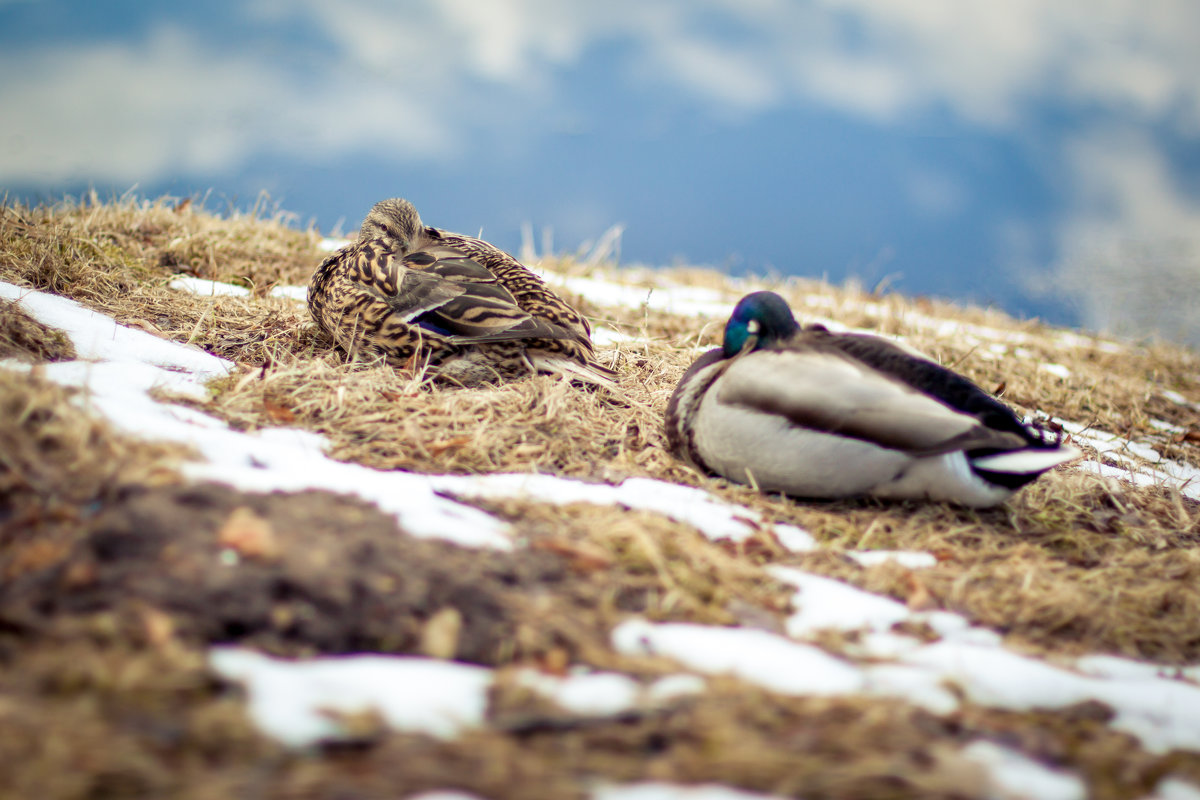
(812, 413)
(469, 310)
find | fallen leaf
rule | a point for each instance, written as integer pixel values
(249, 535)
(81, 573)
(582, 557)
(278, 412)
(439, 636)
(35, 556)
(919, 597)
(158, 626)
(437, 448)
(554, 662)
(143, 325)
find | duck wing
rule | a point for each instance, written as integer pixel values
(926, 376)
(461, 299)
(832, 393)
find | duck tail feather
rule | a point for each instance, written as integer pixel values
(1032, 461)
(591, 373)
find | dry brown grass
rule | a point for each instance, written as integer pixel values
(1072, 564)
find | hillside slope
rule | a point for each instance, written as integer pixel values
(207, 472)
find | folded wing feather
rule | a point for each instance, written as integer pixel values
(828, 392)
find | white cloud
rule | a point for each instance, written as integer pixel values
(936, 194)
(985, 61)
(421, 79)
(1130, 251)
(735, 79)
(170, 106)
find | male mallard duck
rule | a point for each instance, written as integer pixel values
(812, 413)
(468, 309)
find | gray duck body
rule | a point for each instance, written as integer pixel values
(818, 414)
(460, 306)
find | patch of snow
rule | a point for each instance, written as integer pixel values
(606, 337)
(674, 299)
(1146, 466)
(828, 603)
(412, 499)
(292, 701)
(297, 293)
(330, 244)
(1105, 666)
(1057, 370)
(666, 689)
(1074, 340)
(957, 628)
(714, 518)
(298, 701)
(596, 693)
(1166, 427)
(766, 659)
(207, 288)
(1176, 397)
(1175, 789)
(607, 693)
(99, 338)
(1014, 775)
(1163, 714)
(912, 684)
(911, 559)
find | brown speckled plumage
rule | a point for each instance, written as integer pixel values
(466, 308)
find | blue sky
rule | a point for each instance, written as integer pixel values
(1039, 156)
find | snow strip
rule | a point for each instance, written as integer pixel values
(1162, 712)
(911, 559)
(607, 693)
(1140, 463)
(714, 518)
(207, 288)
(99, 338)
(297, 702)
(331, 244)
(1175, 789)
(828, 603)
(1057, 370)
(757, 656)
(1015, 775)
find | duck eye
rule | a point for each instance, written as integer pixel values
(753, 326)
